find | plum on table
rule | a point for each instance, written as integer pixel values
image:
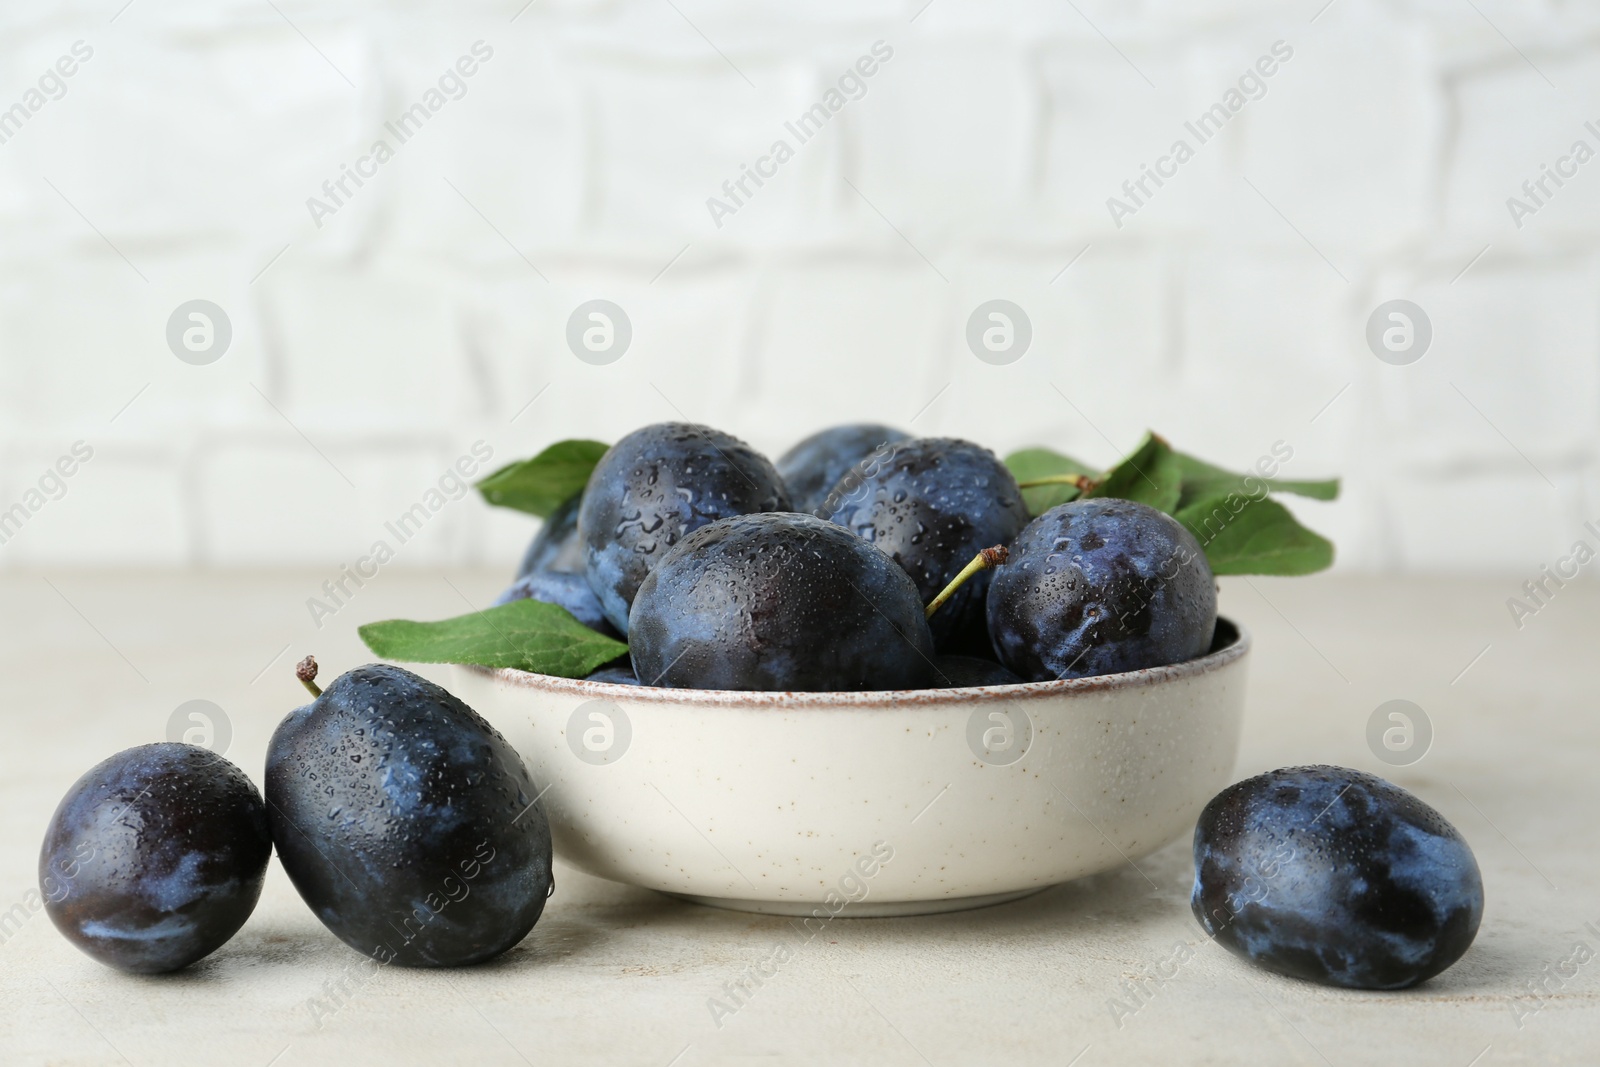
(155, 857)
(407, 823)
(1335, 876)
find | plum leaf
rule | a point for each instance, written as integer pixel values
(1242, 530)
(1035, 464)
(1150, 474)
(1202, 480)
(529, 635)
(545, 482)
(1245, 534)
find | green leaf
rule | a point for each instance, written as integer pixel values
(1202, 480)
(529, 635)
(545, 482)
(1149, 475)
(1243, 534)
(1031, 464)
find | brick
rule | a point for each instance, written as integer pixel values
(78, 338)
(364, 351)
(1512, 125)
(198, 144)
(654, 33)
(243, 491)
(845, 340)
(1171, 15)
(1025, 21)
(276, 502)
(1098, 326)
(1529, 524)
(524, 87)
(119, 507)
(1100, 124)
(1540, 317)
(690, 328)
(667, 139)
(942, 139)
(1258, 368)
(1345, 138)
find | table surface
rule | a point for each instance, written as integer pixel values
(97, 662)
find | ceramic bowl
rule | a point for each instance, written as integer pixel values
(878, 803)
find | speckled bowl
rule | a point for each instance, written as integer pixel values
(859, 804)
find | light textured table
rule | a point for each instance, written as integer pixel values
(94, 663)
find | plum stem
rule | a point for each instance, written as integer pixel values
(988, 559)
(306, 671)
(1082, 482)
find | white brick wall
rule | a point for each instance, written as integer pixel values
(426, 313)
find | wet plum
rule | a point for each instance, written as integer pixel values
(155, 857)
(1101, 586)
(815, 465)
(1335, 876)
(653, 487)
(570, 591)
(779, 602)
(407, 823)
(556, 547)
(932, 504)
(964, 672)
(615, 675)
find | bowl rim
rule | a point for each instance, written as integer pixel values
(1229, 652)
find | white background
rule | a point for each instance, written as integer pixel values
(370, 352)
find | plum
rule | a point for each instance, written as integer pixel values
(408, 824)
(779, 602)
(931, 505)
(1101, 586)
(155, 857)
(570, 591)
(1335, 876)
(653, 487)
(616, 675)
(815, 465)
(552, 571)
(556, 547)
(964, 672)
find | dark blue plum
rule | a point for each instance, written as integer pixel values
(155, 858)
(1098, 587)
(552, 571)
(615, 675)
(779, 602)
(1335, 876)
(965, 672)
(653, 487)
(814, 466)
(932, 504)
(407, 823)
(570, 591)
(556, 547)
